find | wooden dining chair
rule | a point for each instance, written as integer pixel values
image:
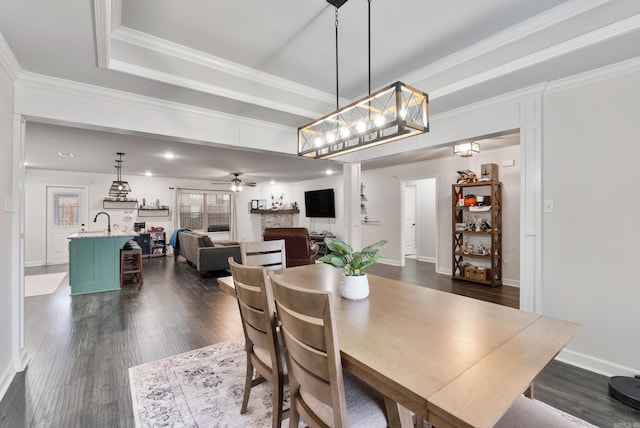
(264, 352)
(321, 394)
(270, 254)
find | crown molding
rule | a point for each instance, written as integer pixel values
(593, 76)
(8, 61)
(489, 104)
(527, 28)
(580, 42)
(184, 53)
(98, 93)
(196, 85)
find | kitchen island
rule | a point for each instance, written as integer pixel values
(94, 261)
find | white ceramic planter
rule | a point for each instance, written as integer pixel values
(354, 287)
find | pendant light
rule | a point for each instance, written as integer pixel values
(391, 113)
(119, 189)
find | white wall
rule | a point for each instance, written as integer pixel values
(384, 202)
(7, 288)
(591, 152)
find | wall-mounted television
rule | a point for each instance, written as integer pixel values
(320, 203)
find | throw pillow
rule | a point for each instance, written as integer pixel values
(206, 241)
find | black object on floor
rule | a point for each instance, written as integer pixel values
(626, 389)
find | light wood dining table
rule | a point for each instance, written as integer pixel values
(453, 360)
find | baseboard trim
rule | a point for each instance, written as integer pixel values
(23, 362)
(389, 262)
(427, 259)
(36, 263)
(5, 380)
(594, 364)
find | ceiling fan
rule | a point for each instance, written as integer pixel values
(236, 184)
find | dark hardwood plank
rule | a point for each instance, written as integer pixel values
(81, 347)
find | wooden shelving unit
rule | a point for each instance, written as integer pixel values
(476, 249)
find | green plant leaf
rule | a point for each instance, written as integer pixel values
(353, 263)
(337, 246)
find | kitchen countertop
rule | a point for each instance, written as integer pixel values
(101, 234)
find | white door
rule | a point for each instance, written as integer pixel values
(66, 212)
(410, 194)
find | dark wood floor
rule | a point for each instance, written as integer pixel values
(81, 347)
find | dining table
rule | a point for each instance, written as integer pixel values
(454, 361)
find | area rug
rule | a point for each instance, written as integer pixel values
(38, 285)
(200, 388)
(204, 388)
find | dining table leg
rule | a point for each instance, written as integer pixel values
(398, 416)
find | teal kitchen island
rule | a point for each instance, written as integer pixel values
(94, 261)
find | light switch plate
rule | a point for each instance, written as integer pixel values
(548, 205)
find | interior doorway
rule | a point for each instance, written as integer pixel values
(410, 238)
(419, 237)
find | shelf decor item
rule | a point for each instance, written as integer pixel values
(355, 284)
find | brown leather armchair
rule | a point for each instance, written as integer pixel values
(299, 249)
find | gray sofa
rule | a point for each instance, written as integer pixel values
(205, 255)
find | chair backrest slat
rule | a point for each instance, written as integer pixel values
(270, 254)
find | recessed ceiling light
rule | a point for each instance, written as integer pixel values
(65, 155)
(169, 155)
(26, 164)
(148, 174)
(329, 172)
(273, 181)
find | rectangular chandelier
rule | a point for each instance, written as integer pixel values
(395, 112)
(466, 149)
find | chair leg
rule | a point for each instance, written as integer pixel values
(278, 395)
(248, 383)
(294, 415)
(139, 258)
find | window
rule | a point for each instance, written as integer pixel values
(204, 211)
(65, 211)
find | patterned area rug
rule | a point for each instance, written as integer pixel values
(200, 388)
(204, 387)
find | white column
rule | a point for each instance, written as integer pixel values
(351, 177)
(531, 204)
(20, 358)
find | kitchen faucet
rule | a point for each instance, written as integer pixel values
(108, 220)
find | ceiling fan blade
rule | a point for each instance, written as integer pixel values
(249, 184)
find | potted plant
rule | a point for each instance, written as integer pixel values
(355, 284)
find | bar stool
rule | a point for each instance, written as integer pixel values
(131, 261)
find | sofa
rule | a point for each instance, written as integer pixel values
(203, 254)
(300, 250)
